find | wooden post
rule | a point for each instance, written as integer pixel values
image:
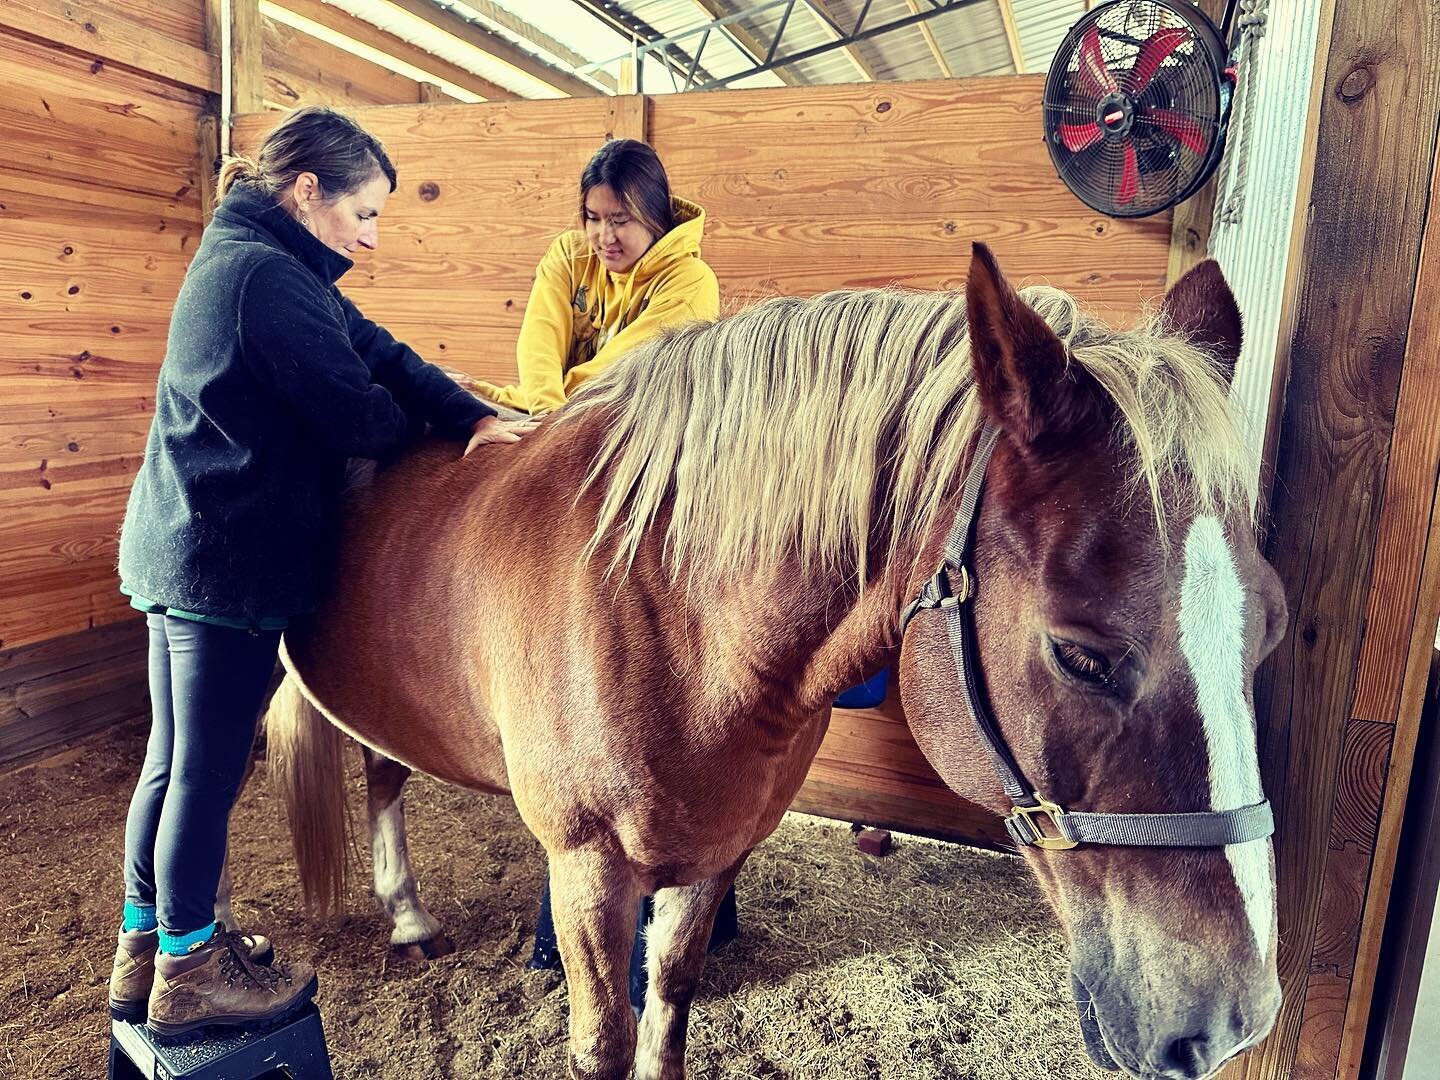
(247, 71)
(628, 118)
(208, 138)
(1190, 222)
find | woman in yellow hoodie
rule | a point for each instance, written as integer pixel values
(630, 271)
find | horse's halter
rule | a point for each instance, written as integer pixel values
(1036, 820)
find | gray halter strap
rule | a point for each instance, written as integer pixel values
(1035, 820)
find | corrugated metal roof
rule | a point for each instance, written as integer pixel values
(1042, 25)
(970, 40)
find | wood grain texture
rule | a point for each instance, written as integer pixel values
(68, 687)
(1393, 1018)
(1373, 164)
(183, 21)
(1400, 547)
(109, 33)
(1410, 711)
(100, 210)
(301, 70)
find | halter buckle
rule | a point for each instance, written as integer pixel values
(1042, 813)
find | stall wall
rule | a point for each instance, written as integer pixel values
(99, 213)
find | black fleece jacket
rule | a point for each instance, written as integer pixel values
(271, 379)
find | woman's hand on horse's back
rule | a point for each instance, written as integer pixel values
(492, 429)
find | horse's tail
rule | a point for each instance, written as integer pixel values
(304, 752)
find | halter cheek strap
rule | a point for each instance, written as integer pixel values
(1034, 820)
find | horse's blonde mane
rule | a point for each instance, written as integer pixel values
(813, 429)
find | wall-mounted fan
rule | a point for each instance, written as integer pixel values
(1137, 103)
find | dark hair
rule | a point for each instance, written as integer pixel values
(318, 140)
(632, 170)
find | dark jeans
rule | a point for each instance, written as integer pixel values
(207, 684)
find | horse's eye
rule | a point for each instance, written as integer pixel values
(1080, 662)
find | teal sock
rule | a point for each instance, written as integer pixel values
(138, 917)
(180, 944)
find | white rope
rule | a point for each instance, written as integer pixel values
(1231, 199)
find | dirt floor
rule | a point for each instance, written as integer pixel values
(935, 961)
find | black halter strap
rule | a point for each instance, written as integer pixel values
(1036, 820)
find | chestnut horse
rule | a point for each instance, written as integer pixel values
(634, 621)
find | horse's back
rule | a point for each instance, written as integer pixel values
(383, 655)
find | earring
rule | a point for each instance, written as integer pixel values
(304, 220)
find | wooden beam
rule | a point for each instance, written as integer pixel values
(247, 51)
(628, 118)
(208, 146)
(1192, 220)
(496, 47)
(109, 36)
(929, 36)
(528, 32)
(832, 30)
(745, 41)
(1337, 443)
(1012, 35)
(430, 92)
(345, 25)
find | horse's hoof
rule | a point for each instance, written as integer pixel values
(421, 951)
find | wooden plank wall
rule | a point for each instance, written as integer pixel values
(100, 212)
(925, 169)
(823, 187)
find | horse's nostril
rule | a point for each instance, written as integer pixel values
(1186, 1057)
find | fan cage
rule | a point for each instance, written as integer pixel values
(1172, 55)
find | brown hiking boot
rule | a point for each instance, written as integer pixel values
(133, 973)
(221, 983)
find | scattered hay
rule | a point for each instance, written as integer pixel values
(935, 961)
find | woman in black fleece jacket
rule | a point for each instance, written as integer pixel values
(271, 380)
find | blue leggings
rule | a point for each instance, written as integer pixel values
(207, 684)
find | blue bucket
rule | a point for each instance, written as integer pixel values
(868, 694)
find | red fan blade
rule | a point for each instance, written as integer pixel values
(1153, 52)
(1094, 75)
(1180, 127)
(1077, 137)
(1129, 177)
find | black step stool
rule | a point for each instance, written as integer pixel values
(294, 1050)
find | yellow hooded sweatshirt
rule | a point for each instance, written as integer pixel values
(581, 316)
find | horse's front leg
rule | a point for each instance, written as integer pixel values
(417, 934)
(675, 946)
(594, 897)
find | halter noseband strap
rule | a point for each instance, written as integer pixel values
(1035, 820)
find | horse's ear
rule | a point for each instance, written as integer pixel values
(1201, 307)
(1027, 384)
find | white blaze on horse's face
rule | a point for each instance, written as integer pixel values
(1212, 637)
